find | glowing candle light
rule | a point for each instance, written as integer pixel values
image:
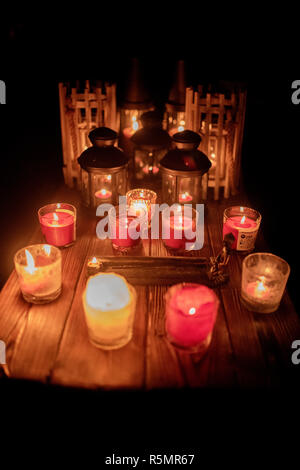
(191, 312)
(39, 271)
(185, 197)
(109, 303)
(58, 224)
(93, 266)
(125, 226)
(103, 194)
(264, 278)
(243, 223)
(179, 228)
(141, 200)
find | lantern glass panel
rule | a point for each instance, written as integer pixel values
(168, 188)
(146, 163)
(175, 122)
(85, 191)
(130, 121)
(181, 189)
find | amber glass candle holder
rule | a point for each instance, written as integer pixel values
(142, 199)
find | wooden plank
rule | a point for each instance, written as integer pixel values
(36, 344)
(169, 368)
(50, 343)
(81, 364)
(252, 336)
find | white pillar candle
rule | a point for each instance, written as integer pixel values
(109, 303)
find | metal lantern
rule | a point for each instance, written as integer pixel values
(135, 103)
(104, 169)
(182, 169)
(151, 143)
(175, 107)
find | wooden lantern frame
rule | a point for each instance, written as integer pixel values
(225, 135)
(80, 112)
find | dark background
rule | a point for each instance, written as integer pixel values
(223, 426)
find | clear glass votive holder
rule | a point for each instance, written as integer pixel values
(58, 224)
(243, 223)
(39, 271)
(109, 304)
(264, 279)
(191, 313)
(179, 229)
(126, 226)
(142, 199)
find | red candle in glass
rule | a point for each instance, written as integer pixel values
(191, 312)
(123, 222)
(58, 224)
(125, 226)
(179, 226)
(243, 223)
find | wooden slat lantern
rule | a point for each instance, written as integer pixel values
(83, 108)
(182, 170)
(175, 107)
(104, 169)
(151, 143)
(220, 121)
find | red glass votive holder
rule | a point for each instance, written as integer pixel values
(179, 228)
(126, 226)
(191, 312)
(58, 224)
(243, 223)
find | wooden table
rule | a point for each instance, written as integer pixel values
(50, 343)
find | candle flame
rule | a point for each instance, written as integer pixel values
(260, 287)
(135, 124)
(241, 209)
(243, 219)
(30, 268)
(47, 249)
(181, 126)
(103, 192)
(94, 260)
(192, 311)
(58, 206)
(55, 217)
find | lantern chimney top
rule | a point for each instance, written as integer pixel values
(136, 95)
(178, 90)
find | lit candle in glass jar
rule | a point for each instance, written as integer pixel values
(58, 224)
(264, 279)
(39, 271)
(179, 228)
(191, 312)
(141, 200)
(243, 223)
(109, 303)
(126, 226)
